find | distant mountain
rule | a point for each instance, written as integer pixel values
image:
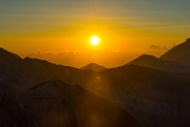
(93, 67)
(57, 104)
(179, 54)
(156, 63)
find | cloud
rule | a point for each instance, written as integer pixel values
(156, 47)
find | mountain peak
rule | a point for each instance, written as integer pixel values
(179, 54)
(93, 67)
(93, 64)
(7, 54)
(144, 60)
(146, 56)
(188, 40)
(8, 59)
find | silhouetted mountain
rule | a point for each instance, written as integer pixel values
(35, 71)
(93, 67)
(8, 56)
(57, 104)
(9, 68)
(156, 63)
(155, 98)
(21, 74)
(179, 54)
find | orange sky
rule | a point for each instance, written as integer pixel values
(59, 31)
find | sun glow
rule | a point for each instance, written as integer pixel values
(94, 40)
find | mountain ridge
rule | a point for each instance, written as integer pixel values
(156, 63)
(179, 54)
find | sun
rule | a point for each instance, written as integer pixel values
(95, 40)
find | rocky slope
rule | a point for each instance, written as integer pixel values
(179, 54)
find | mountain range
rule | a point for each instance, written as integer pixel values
(146, 92)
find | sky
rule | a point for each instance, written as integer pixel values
(59, 30)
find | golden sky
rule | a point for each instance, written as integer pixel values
(60, 30)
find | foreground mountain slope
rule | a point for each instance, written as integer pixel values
(179, 54)
(57, 104)
(12, 114)
(152, 96)
(93, 67)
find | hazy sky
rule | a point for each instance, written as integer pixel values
(59, 30)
